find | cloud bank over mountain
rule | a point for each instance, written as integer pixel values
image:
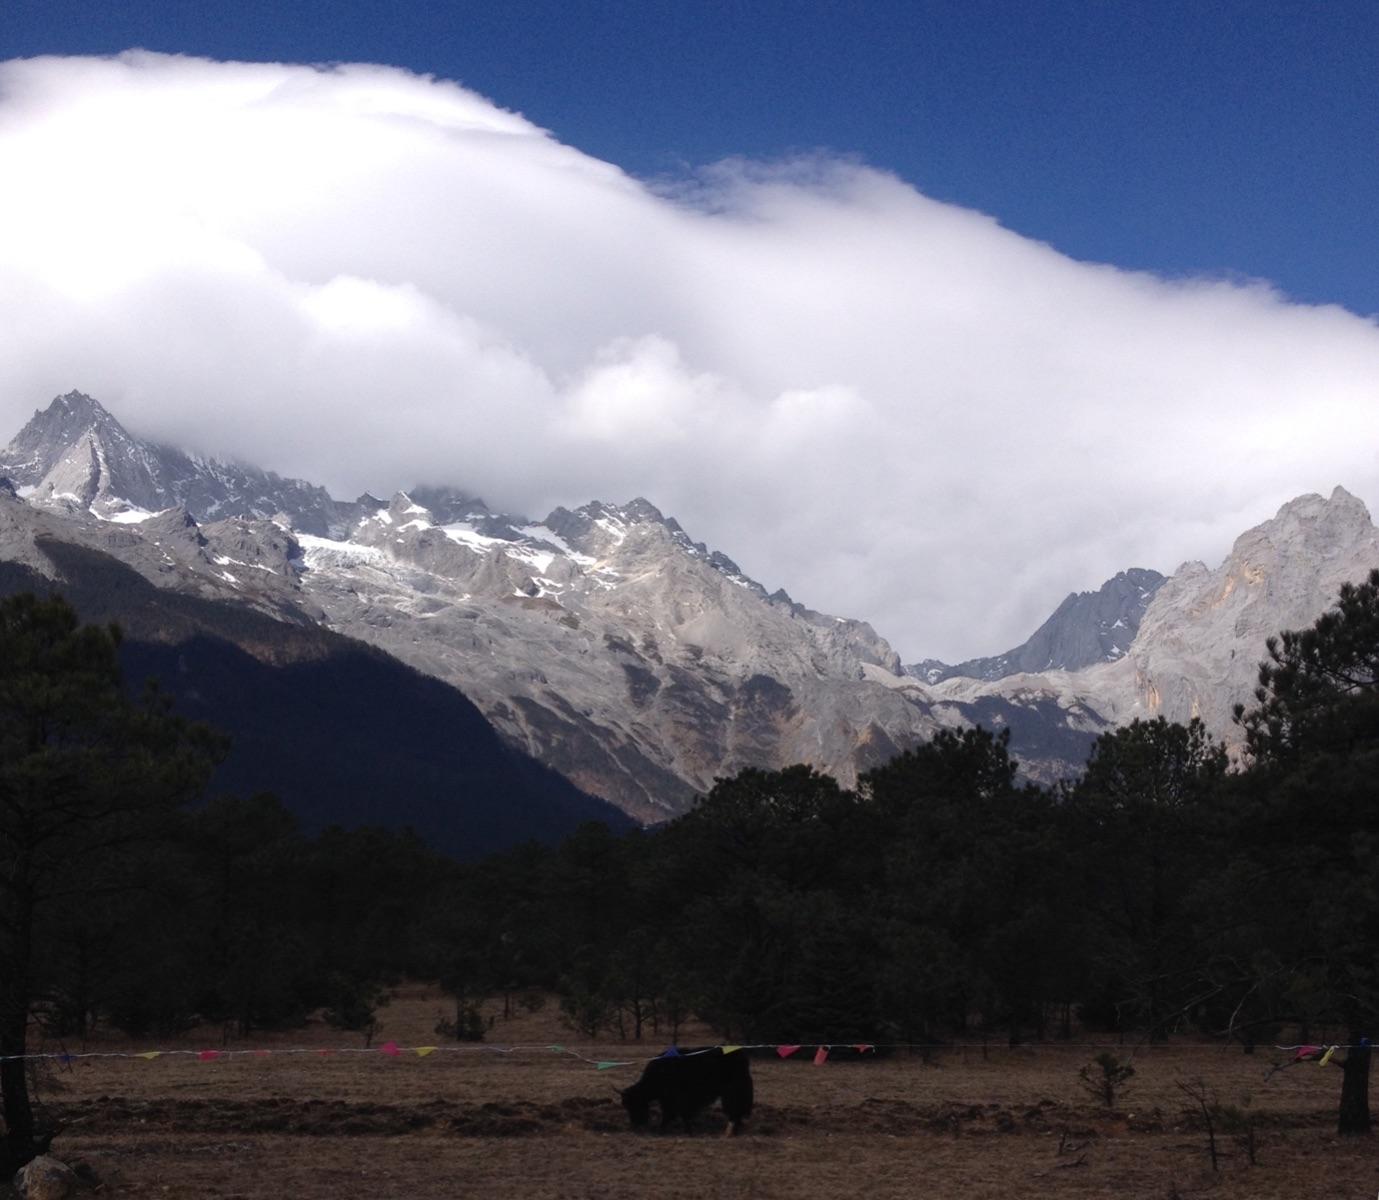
(893, 407)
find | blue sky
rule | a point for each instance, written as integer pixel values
(1226, 137)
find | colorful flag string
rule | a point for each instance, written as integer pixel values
(1321, 1054)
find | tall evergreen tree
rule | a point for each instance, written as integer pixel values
(1314, 834)
(1319, 688)
(1138, 817)
(86, 773)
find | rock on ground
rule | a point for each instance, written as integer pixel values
(46, 1178)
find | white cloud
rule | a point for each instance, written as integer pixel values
(892, 407)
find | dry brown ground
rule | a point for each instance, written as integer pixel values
(542, 1126)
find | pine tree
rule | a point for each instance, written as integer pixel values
(1314, 739)
(86, 774)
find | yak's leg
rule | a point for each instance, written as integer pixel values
(737, 1104)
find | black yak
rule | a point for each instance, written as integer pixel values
(684, 1082)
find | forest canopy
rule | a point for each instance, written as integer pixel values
(1163, 892)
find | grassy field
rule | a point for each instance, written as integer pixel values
(545, 1126)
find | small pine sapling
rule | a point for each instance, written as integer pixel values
(1105, 1077)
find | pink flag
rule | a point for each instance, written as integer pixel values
(821, 1056)
(862, 1049)
(1306, 1052)
(390, 1049)
(786, 1051)
(208, 1055)
(262, 1053)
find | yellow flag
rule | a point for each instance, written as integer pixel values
(423, 1051)
(729, 1049)
(1326, 1058)
(149, 1054)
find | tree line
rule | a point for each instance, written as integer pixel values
(1163, 891)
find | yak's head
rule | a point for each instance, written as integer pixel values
(637, 1103)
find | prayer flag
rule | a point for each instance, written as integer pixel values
(208, 1055)
(671, 1052)
(423, 1051)
(821, 1056)
(730, 1049)
(1326, 1058)
(390, 1049)
(149, 1054)
(786, 1051)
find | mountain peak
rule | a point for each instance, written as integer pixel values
(402, 507)
(640, 509)
(75, 451)
(1325, 524)
(75, 403)
(1087, 628)
(54, 429)
(448, 504)
(1340, 503)
(1348, 507)
(70, 415)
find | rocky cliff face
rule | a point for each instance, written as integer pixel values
(638, 662)
(1087, 628)
(1202, 640)
(614, 647)
(1202, 637)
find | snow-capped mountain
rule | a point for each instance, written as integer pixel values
(641, 664)
(1087, 628)
(75, 454)
(603, 639)
(618, 650)
(343, 733)
(1201, 639)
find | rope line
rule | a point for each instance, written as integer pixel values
(784, 1049)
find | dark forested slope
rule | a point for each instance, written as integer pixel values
(341, 732)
